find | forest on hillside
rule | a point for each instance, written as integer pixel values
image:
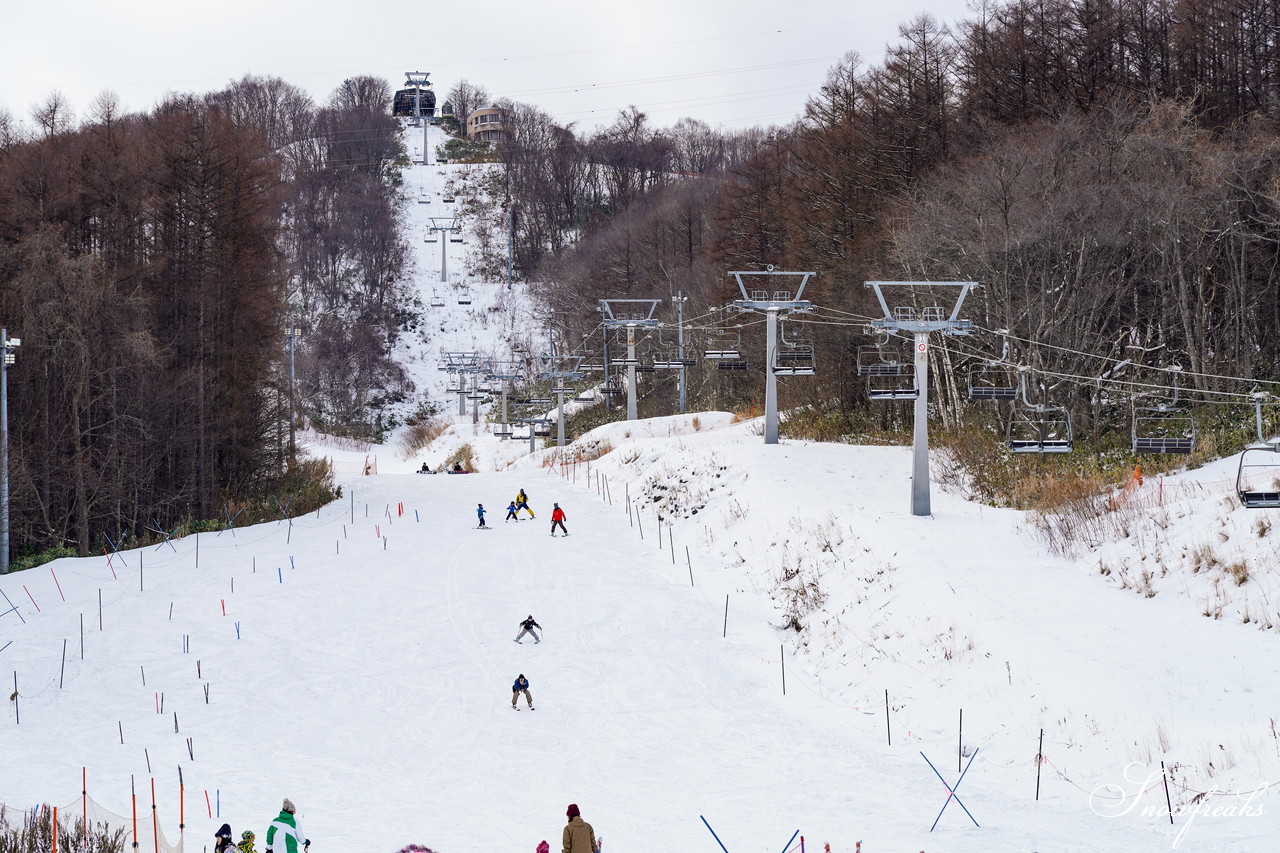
(153, 266)
(1109, 172)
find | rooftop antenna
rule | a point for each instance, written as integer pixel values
(771, 303)
(906, 318)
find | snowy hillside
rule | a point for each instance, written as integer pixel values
(759, 637)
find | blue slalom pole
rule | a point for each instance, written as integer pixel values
(716, 837)
(788, 844)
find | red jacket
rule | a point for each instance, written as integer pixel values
(557, 514)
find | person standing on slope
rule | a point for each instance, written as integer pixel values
(222, 842)
(579, 837)
(286, 832)
(521, 686)
(480, 515)
(557, 518)
(522, 503)
(526, 627)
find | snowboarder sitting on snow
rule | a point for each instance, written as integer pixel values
(511, 512)
(223, 844)
(557, 518)
(480, 514)
(522, 502)
(457, 468)
(286, 831)
(579, 837)
(246, 841)
(425, 469)
(526, 627)
(521, 686)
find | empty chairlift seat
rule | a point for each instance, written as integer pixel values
(1163, 431)
(794, 359)
(1258, 479)
(992, 382)
(1040, 429)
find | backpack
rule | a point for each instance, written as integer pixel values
(544, 848)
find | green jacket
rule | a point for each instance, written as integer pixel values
(284, 835)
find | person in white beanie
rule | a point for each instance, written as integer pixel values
(285, 829)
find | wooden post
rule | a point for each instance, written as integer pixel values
(888, 735)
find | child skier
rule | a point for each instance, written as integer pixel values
(557, 518)
(511, 512)
(480, 515)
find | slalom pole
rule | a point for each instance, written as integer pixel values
(155, 820)
(789, 840)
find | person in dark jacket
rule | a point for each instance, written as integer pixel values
(521, 685)
(526, 627)
(579, 837)
(222, 841)
(480, 515)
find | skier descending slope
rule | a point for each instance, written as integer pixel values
(526, 627)
(521, 685)
(480, 515)
(557, 518)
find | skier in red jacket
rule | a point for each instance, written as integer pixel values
(557, 518)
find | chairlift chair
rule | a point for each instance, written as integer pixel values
(1040, 429)
(424, 198)
(1163, 430)
(502, 431)
(430, 237)
(1258, 480)
(455, 237)
(879, 360)
(464, 297)
(447, 199)
(437, 301)
(892, 386)
(993, 382)
(725, 346)
(732, 364)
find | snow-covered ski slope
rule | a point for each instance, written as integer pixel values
(363, 662)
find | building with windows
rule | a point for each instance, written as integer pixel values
(485, 125)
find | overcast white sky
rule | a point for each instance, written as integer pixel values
(729, 63)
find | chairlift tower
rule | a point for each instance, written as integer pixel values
(449, 226)
(461, 363)
(919, 323)
(503, 372)
(638, 314)
(559, 368)
(771, 303)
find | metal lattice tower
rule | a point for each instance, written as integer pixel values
(919, 322)
(461, 363)
(447, 225)
(629, 314)
(772, 303)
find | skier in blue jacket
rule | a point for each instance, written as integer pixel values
(521, 686)
(480, 515)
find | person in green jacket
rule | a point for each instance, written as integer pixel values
(284, 830)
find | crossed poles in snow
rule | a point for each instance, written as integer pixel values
(951, 792)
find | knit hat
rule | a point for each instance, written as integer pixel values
(572, 811)
(224, 831)
(288, 806)
(247, 835)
